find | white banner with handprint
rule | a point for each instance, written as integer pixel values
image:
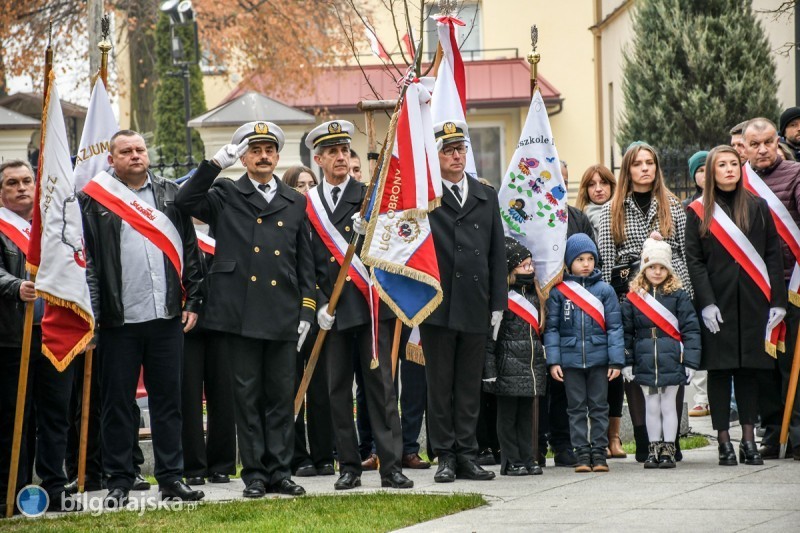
(533, 199)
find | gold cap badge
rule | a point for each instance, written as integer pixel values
(261, 128)
(449, 128)
(334, 127)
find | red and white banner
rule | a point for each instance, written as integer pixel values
(55, 252)
(744, 253)
(657, 313)
(784, 223)
(207, 244)
(375, 44)
(450, 92)
(154, 225)
(15, 228)
(521, 307)
(337, 246)
(100, 126)
(585, 300)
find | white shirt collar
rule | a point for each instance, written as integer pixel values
(327, 190)
(463, 187)
(269, 194)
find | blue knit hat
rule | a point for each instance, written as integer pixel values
(697, 160)
(578, 244)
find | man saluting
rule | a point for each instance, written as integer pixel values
(260, 293)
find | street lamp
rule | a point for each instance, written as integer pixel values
(181, 13)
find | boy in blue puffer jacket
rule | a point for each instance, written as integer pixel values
(584, 346)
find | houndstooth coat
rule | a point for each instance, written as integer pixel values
(637, 228)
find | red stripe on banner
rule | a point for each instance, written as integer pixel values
(62, 330)
(424, 259)
(585, 306)
(206, 246)
(783, 231)
(398, 185)
(126, 213)
(19, 238)
(458, 68)
(662, 323)
(523, 313)
(732, 248)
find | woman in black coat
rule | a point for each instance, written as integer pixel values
(730, 302)
(515, 370)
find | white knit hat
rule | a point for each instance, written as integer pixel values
(656, 252)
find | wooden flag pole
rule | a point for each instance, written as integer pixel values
(398, 329)
(27, 328)
(533, 60)
(105, 47)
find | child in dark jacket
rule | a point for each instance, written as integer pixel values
(584, 346)
(662, 345)
(515, 369)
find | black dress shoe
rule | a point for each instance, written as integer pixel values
(288, 488)
(396, 480)
(535, 470)
(89, 485)
(727, 455)
(178, 490)
(306, 471)
(325, 469)
(486, 458)
(255, 489)
(195, 480)
(116, 498)
(140, 483)
(347, 481)
(748, 453)
(216, 477)
(446, 473)
(513, 470)
(769, 451)
(473, 471)
(565, 457)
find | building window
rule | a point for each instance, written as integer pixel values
(487, 147)
(469, 36)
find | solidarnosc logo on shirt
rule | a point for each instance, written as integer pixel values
(32, 501)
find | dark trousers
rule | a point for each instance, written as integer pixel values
(263, 375)
(314, 417)
(587, 393)
(553, 419)
(515, 429)
(156, 346)
(486, 429)
(453, 368)
(380, 396)
(94, 457)
(206, 367)
(616, 397)
(746, 389)
(366, 442)
(46, 418)
(774, 386)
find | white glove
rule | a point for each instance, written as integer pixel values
(497, 318)
(689, 375)
(359, 224)
(229, 153)
(325, 320)
(627, 373)
(303, 329)
(776, 314)
(711, 318)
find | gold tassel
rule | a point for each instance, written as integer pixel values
(373, 364)
(770, 349)
(415, 354)
(794, 298)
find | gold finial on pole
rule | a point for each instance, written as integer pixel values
(105, 46)
(534, 57)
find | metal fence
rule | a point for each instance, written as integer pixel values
(171, 166)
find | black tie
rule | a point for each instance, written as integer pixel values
(263, 186)
(457, 193)
(335, 194)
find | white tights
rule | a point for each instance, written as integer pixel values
(662, 416)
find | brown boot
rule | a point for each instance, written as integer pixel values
(615, 450)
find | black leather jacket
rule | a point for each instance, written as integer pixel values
(101, 230)
(12, 309)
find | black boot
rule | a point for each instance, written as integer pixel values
(654, 449)
(642, 443)
(678, 453)
(727, 456)
(748, 453)
(666, 458)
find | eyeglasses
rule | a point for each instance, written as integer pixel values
(448, 151)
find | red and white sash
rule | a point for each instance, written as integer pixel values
(154, 225)
(337, 246)
(521, 307)
(15, 228)
(784, 223)
(744, 253)
(205, 243)
(588, 302)
(655, 311)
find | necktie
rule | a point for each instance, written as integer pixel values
(263, 186)
(457, 193)
(335, 194)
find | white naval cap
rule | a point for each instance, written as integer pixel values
(260, 131)
(330, 133)
(450, 131)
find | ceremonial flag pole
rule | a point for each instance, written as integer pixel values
(790, 398)
(27, 329)
(105, 47)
